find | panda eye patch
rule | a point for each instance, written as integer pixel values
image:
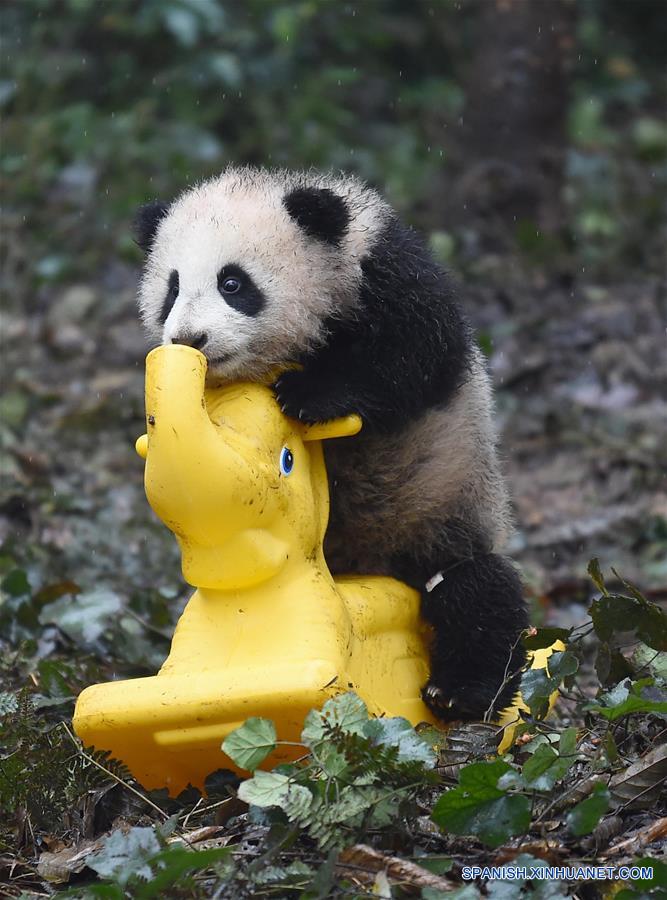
(170, 299)
(239, 291)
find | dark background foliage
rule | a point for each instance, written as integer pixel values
(526, 138)
(110, 102)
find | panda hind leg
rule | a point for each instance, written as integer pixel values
(478, 614)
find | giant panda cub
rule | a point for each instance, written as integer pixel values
(258, 269)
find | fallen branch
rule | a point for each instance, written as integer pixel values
(640, 839)
(363, 862)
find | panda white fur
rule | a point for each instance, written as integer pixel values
(261, 268)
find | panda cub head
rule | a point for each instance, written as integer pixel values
(247, 267)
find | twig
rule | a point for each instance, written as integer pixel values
(646, 790)
(111, 775)
(147, 625)
(191, 813)
(206, 809)
(364, 859)
(205, 833)
(507, 678)
(561, 799)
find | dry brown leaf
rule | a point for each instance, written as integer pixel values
(549, 851)
(603, 833)
(581, 790)
(641, 784)
(57, 867)
(465, 743)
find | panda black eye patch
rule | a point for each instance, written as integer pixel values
(170, 299)
(239, 291)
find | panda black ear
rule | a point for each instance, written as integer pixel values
(145, 223)
(321, 213)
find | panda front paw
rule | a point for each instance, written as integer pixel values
(306, 399)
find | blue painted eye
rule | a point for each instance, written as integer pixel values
(286, 461)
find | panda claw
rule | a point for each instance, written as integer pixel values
(444, 705)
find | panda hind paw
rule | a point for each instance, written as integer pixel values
(449, 707)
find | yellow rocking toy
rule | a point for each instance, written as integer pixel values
(268, 632)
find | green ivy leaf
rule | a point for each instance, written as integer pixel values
(610, 749)
(546, 766)
(85, 617)
(536, 690)
(584, 817)
(643, 888)
(567, 743)
(438, 865)
(16, 583)
(347, 711)
(125, 855)
(322, 883)
(536, 770)
(561, 664)
(653, 661)
(399, 733)
(249, 745)
(545, 637)
(173, 863)
(537, 685)
(615, 613)
(629, 697)
(267, 789)
(478, 806)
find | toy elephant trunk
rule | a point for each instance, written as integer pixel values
(205, 479)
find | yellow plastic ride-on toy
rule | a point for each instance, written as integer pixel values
(268, 632)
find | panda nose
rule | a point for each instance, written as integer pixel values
(191, 340)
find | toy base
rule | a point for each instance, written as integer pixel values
(168, 728)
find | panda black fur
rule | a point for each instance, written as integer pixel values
(262, 268)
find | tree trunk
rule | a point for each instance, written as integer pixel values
(515, 117)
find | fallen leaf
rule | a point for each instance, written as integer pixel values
(57, 866)
(641, 784)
